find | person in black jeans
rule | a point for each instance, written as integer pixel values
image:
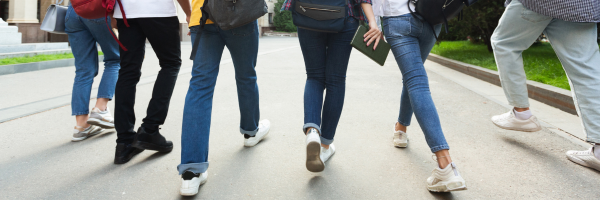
(158, 24)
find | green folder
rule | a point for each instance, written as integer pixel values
(378, 55)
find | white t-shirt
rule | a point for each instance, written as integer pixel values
(391, 7)
(146, 9)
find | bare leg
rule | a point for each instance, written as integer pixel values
(82, 120)
(521, 109)
(102, 103)
(400, 127)
(443, 158)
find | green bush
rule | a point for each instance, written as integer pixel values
(283, 19)
(478, 23)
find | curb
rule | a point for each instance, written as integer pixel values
(553, 96)
(36, 66)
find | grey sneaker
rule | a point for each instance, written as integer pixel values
(81, 133)
(102, 119)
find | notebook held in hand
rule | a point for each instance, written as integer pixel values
(378, 55)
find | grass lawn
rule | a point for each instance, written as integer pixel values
(37, 58)
(541, 63)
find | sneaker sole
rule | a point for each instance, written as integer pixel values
(539, 128)
(255, 143)
(74, 139)
(400, 145)
(581, 162)
(183, 192)
(313, 157)
(100, 123)
(153, 147)
(450, 187)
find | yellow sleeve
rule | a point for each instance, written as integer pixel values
(197, 14)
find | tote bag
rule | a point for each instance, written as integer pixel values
(54, 22)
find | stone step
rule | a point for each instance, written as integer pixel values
(33, 53)
(9, 39)
(8, 29)
(16, 48)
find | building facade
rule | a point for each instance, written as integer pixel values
(27, 15)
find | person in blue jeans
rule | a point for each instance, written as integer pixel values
(326, 57)
(84, 34)
(242, 43)
(411, 39)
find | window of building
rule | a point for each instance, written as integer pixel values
(270, 18)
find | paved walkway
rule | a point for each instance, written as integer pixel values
(38, 160)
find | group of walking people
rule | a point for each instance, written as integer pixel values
(326, 57)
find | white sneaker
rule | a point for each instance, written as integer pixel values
(314, 163)
(327, 153)
(400, 138)
(510, 122)
(446, 180)
(263, 129)
(80, 133)
(190, 183)
(102, 119)
(584, 158)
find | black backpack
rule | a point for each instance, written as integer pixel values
(439, 11)
(229, 14)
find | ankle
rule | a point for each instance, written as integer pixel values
(400, 127)
(326, 146)
(523, 115)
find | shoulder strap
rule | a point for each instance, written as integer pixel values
(419, 18)
(199, 34)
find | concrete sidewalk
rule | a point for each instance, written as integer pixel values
(38, 161)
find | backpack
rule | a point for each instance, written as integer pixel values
(229, 14)
(94, 9)
(320, 15)
(439, 11)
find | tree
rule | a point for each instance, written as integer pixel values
(283, 19)
(478, 23)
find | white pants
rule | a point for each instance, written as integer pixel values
(574, 43)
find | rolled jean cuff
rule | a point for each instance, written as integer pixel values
(250, 133)
(106, 97)
(311, 125)
(439, 148)
(593, 140)
(197, 168)
(80, 113)
(326, 141)
(402, 123)
(516, 105)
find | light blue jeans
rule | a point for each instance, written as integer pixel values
(242, 43)
(575, 45)
(83, 36)
(412, 40)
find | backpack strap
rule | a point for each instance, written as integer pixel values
(419, 18)
(203, 19)
(108, 11)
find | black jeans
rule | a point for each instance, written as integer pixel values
(163, 35)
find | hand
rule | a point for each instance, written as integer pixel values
(373, 35)
(113, 23)
(187, 19)
(189, 33)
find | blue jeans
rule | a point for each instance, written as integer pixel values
(83, 36)
(326, 58)
(242, 43)
(411, 41)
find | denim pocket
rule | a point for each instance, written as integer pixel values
(247, 29)
(100, 21)
(397, 26)
(531, 16)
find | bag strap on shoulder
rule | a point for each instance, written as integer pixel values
(203, 19)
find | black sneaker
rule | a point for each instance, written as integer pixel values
(152, 141)
(125, 152)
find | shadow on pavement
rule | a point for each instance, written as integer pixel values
(32, 162)
(443, 195)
